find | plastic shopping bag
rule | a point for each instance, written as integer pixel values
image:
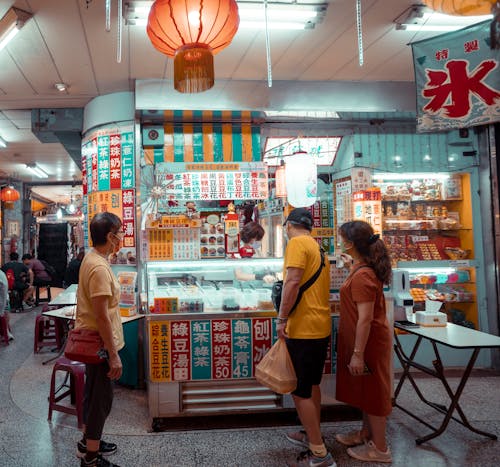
(276, 371)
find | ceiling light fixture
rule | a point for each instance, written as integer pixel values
(3, 143)
(61, 87)
(11, 23)
(281, 15)
(36, 170)
(422, 19)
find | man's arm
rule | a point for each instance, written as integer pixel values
(289, 294)
(100, 306)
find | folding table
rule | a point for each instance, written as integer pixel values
(456, 337)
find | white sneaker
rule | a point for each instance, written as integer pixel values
(26, 306)
(10, 336)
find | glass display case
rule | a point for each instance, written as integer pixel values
(211, 285)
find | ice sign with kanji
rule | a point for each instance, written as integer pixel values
(457, 79)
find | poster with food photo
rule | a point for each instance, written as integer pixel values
(212, 236)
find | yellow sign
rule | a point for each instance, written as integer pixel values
(159, 351)
(161, 244)
(324, 232)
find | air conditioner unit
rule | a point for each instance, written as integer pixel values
(153, 136)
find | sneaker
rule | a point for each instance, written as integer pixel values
(10, 336)
(105, 449)
(99, 461)
(299, 438)
(308, 459)
(368, 452)
(27, 306)
(353, 438)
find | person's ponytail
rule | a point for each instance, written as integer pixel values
(379, 260)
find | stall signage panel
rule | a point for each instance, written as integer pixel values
(242, 348)
(127, 149)
(181, 350)
(115, 162)
(94, 164)
(457, 79)
(221, 347)
(159, 351)
(262, 339)
(201, 367)
(85, 148)
(103, 151)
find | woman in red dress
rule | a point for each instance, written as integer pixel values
(364, 344)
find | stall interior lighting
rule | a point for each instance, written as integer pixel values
(280, 15)
(37, 171)
(3, 143)
(11, 23)
(392, 176)
(421, 18)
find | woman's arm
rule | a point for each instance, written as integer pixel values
(363, 326)
(100, 306)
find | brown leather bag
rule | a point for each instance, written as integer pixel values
(86, 346)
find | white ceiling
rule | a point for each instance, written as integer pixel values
(66, 41)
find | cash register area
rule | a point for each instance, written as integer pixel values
(28, 439)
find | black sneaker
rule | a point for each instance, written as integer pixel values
(99, 461)
(105, 449)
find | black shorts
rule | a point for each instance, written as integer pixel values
(308, 358)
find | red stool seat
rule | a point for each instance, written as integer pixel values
(76, 373)
(4, 329)
(48, 332)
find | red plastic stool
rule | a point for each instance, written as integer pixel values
(76, 373)
(48, 331)
(4, 329)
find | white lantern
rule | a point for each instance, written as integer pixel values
(301, 175)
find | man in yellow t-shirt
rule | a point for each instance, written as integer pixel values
(307, 332)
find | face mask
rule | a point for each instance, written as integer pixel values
(255, 245)
(343, 248)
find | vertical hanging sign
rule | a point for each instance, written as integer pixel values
(93, 165)
(128, 218)
(128, 179)
(181, 350)
(262, 339)
(115, 162)
(103, 163)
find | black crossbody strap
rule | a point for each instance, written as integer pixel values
(310, 282)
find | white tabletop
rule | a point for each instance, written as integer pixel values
(454, 335)
(69, 313)
(66, 297)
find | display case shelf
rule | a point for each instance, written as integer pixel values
(427, 265)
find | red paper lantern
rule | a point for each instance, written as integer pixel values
(192, 31)
(9, 194)
(461, 7)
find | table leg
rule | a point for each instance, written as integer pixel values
(455, 397)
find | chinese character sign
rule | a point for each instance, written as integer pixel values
(457, 79)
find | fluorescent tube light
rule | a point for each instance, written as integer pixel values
(410, 176)
(291, 16)
(3, 143)
(11, 23)
(37, 171)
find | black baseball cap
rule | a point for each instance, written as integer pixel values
(300, 216)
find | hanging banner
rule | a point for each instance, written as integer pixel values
(457, 79)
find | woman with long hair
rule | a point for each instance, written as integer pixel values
(364, 345)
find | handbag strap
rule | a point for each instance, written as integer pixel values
(309, 282)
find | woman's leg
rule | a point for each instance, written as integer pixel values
(377, 427)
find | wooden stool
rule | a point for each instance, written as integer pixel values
(75, 371)
(37, 294)
(4, 329)
(48, 331)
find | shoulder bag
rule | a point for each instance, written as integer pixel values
(278, 287)
(86, 346)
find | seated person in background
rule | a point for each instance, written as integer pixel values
(73, 269)
(4, 301)
(23, 278)
(40, 275)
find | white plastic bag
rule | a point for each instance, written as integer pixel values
(275, 370)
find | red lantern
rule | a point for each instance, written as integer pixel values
(9, 195)
(461, 7)
(192, 31)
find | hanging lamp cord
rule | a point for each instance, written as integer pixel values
(268, 50)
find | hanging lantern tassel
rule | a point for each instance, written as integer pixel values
(193, 68)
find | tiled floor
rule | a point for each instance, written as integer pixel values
(27, 439)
